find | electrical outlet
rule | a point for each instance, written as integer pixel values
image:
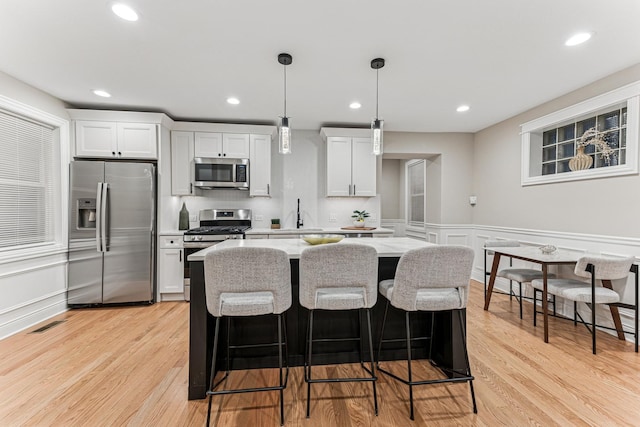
(258, 217)
(333, 217)
(193, 218)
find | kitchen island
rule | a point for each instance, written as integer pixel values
(447, 350)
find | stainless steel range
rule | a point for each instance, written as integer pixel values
(216, 225)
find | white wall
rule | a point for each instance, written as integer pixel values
(608, 206)
(31, 289)
(391, 191)
(451, 162)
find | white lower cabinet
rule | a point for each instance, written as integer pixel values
(171, 266)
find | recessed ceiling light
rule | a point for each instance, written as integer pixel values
(355, 105)
(577, 39)
(233, 101)
(462, 108)
(125, 12)
(102, 93)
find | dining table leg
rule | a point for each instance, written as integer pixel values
(545, 303)
(492, 280)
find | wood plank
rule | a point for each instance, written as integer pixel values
(129, 366)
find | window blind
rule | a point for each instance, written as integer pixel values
(26, 182)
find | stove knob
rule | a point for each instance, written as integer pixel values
(199, 238)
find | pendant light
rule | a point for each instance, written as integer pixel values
(284, 131)
(376, 124)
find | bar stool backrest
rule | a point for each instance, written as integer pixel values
(442, 266)
(245, 270)
(343, 265)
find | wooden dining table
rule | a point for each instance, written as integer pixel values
(535, 255)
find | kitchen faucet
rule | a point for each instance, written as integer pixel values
(299, 220)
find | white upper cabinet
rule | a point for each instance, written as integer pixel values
(260, 165)
(217, 144)
(181, 163)
(116, 140)
(351, 167)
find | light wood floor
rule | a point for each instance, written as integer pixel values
(129, 366)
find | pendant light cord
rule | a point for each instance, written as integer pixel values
(285, 90)
(377, 85)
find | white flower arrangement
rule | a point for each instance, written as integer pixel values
(593, 137)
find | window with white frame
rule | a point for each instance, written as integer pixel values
(31, 194)
(604, 128)
(416, 171)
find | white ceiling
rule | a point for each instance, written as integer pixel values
(185, 58)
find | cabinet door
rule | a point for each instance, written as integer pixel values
(171, 271)
(181, 163)
(363, 168)
(137, 141)
(235, 145)
(260, 165)
(208, 144)
(96, 139)
(338, 166)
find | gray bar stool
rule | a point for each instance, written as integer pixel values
(340, 276)
(248, 282)
(435, 278)
(520, 275)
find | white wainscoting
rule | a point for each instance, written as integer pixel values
(475, 236)
(33, 291)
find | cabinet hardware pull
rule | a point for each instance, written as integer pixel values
(113, 152)
(180, 253)
(268, 189)
(119, 153)
(191, 188)
(354, 189)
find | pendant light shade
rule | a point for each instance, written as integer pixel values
(377, 136)
(284, 130)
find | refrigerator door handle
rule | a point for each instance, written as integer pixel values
(99, 217)
(103, 225)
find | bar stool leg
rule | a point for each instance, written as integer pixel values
(373, 369)
(213, 367)
(280, 365)
(308, 367)
(409, 364)
(466, 358)
(384, 321)
(535, 305)
(520, 298)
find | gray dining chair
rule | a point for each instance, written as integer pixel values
(243, 282)
(513, 274)
(431, 279)
(595, 268)
(339, 276)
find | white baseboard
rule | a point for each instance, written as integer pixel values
(28, 314)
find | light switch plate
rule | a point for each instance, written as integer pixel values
(333, 217)
(473, 200)
(258, 217)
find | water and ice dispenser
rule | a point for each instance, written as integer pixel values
(86, 213)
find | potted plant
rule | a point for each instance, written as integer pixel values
(275, 223)
(359, 217)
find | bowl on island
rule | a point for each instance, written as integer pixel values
(319, 239)
(548, 249)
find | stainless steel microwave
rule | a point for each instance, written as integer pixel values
(213, 173)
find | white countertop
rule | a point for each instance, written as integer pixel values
(385, 246)
(316, 230)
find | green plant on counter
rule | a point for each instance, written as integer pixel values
(360, 215)
(275, 221)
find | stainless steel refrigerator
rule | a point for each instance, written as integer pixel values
(112, 224)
